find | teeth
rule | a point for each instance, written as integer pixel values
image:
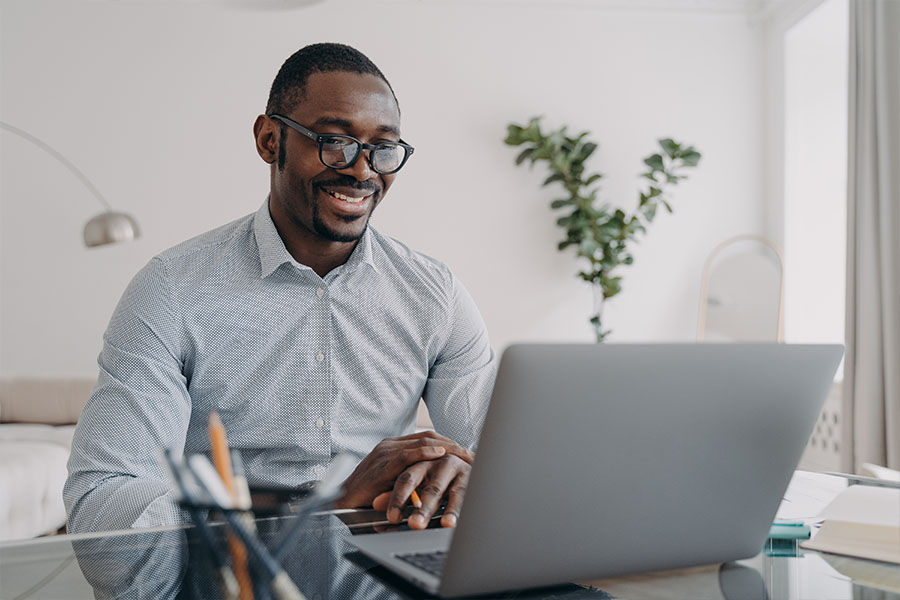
(346, 198)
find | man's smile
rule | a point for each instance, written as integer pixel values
(348, 200)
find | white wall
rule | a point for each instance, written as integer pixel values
(154, 101)
(815, 204)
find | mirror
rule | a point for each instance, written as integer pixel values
(742, 292)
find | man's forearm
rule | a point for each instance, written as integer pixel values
(115, 501)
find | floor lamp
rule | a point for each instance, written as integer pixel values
(109, 227)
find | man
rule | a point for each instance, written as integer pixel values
(307, 330)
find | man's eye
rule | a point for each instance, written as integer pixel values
(336, 143)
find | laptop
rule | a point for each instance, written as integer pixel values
(605, 459)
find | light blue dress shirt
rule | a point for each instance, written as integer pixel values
(299, 367)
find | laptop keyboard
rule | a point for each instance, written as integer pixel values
(430, 562)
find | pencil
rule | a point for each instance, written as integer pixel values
(218, 443)
(414, 498)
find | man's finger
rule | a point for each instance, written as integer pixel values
(440, 475)
(406, 482)
(449, 445)
(435, 439)
(454, 500)
(410, 456)
(381, 501)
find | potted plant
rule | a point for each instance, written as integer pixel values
(598, 233)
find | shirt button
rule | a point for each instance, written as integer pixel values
(320, 423)
(318, 470)
(320, 357)
(320, 292)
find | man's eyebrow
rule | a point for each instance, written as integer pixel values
(345, 124)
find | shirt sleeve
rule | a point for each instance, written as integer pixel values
(139, 406)
(461, 379)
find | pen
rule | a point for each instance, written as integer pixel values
(244, 501)
(218, 444)
(414, 498)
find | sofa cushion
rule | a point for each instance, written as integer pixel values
(44, 400)
(33, 473)
(33, 432)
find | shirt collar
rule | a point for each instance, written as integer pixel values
(273, 253)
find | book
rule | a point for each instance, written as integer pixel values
(866, 572)
(862, 521)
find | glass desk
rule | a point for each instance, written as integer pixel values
(173, 563)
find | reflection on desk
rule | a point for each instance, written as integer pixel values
(173, 563)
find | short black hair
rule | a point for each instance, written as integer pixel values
(289, 85)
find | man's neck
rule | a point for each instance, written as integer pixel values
(321, 256)
(308, 248)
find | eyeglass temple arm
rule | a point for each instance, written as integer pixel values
(297, 126)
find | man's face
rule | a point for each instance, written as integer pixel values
(334, 204)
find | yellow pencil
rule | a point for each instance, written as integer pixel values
(218, 444)
(414, 498)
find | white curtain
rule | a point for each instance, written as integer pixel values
(871, 409)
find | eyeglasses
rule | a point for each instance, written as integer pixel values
(342, 151)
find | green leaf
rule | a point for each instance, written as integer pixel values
(613, 287)
(691, 158)
(670, 147)
(654, 161)
(561, 202)
(587, 150)
(524, 155)
(552, 178)
(593, 178)
(514, 134)
(588, 247)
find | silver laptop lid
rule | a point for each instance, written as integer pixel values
(607, 459)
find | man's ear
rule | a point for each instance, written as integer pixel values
(267, 136)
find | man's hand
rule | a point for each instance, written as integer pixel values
(434, 479)
(391, 460)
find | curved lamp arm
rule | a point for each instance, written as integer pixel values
(60, 158)
(107, 228)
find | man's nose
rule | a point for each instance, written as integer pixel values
(361, 170)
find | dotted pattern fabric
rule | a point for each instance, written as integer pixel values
(299, 367)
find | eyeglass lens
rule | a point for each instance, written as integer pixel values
(338, 152)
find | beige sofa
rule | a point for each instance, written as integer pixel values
(37, 420)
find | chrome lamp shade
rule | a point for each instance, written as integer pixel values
(110, 228)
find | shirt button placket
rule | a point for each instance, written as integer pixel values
(324, 433)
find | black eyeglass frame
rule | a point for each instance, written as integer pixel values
(320, 138)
